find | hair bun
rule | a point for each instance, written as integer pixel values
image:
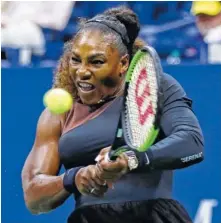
(128, 18)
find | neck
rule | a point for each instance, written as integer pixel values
(119, 91)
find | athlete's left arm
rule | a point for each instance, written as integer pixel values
(181, 146)
(184, 143)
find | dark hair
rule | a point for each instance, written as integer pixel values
(130, 21)
(123, 14)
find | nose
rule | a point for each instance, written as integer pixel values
(83, 73)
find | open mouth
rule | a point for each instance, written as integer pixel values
(86, 87)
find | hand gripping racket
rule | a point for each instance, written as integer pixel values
(138, 122)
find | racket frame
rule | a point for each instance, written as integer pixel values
(122, 129)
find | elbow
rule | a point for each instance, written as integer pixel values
(33, 209)
(32, 206)
(29, 200)
(33, 203)
(199, 147)
(199, 156)
(196, 153)
(36, 208)
(191, 160)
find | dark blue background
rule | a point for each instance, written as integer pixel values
(22, 91)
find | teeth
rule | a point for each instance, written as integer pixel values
(85, 85)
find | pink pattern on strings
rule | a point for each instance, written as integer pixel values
(140, 99)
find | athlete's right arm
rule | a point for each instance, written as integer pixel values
(43, 188)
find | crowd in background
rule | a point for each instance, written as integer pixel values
(34, 33)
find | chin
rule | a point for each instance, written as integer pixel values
(89, 101)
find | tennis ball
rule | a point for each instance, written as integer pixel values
(58, 100)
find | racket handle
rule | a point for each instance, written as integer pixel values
(112, 156)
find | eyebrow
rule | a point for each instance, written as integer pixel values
(91, 56)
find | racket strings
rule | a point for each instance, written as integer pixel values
(141, 101)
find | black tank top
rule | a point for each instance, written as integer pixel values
(85, 133)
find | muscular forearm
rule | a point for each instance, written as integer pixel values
(44, 193)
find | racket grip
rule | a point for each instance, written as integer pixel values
(112, 156)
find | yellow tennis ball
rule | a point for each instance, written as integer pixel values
(58, 100)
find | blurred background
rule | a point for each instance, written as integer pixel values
(186, 35)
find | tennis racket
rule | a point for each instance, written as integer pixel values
(138, 122)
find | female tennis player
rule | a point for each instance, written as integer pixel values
(137, 187)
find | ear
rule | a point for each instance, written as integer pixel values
(124, 64)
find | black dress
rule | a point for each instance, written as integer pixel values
(140, 196)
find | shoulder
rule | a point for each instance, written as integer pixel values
(168, 82)
(171, 88)
(48, 120)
